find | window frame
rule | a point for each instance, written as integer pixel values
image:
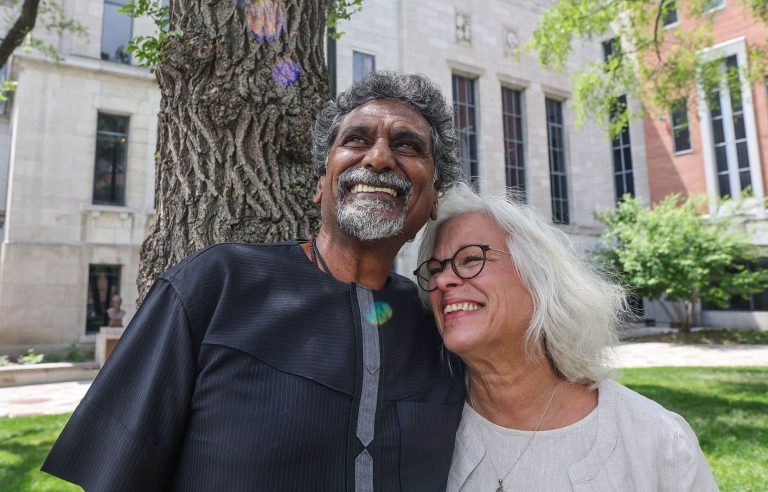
(469, 158)
(113, 275)
(121, 200)
(514, 138)
(664, 18)
(674, 127)
(624, 166)
(129, 59)
(355, 53)
(558, 178)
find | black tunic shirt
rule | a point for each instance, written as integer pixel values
(247, 368)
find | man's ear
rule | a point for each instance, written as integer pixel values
(319, 193)
(433, 212)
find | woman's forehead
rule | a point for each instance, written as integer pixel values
(468, 228)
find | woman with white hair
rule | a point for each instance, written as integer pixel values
(531, 323)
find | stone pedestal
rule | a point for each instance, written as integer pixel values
(106, 341)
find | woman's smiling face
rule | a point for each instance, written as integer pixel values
(476, 315)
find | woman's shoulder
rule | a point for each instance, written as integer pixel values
(649, 425)
(641, 409)
(662, 436)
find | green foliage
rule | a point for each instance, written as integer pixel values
(148, 50)
(340, 10)
(53, 357)
(725, 407)
(54, 19)
(4, 360)
(30, 357)
(655, 65)
(673, 252)
(74, 354)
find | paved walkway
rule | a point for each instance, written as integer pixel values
(55, 398)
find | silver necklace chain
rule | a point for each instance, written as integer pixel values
(500, 488)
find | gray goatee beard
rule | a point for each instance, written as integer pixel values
(364, 218)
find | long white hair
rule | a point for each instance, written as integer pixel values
(577, 310)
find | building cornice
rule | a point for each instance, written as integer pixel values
(90, 65)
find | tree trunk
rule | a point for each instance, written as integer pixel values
(240, 90)
(687, 318)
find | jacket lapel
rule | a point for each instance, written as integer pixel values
(467, 454)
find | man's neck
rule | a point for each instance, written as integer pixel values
(351, 260)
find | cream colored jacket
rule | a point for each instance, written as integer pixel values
(640, 446)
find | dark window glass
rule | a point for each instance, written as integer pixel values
(465, 116)
(362, 63)
(512, 118)
(116, 32)
(670, 12)
(103, 283)
(557, 175)
(111, 156)
(713, 4)
(611, 48)
(680, 131)
(622, 153)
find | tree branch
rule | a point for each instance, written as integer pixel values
(23, 25)
(656, 30)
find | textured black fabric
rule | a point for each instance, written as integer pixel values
(242, 371)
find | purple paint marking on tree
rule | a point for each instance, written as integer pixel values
(265, 18)
(286, 72)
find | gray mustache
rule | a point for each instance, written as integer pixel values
(363, 175)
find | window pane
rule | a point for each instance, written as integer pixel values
(362, 63)
(670, 12)
(466, 126)
(558, 177)
(103, 283)
(738, 127)
(682, 140)
(116, 32)
(111, 157)
(721, 160)
(724, 186)
(512, 121)
(718, 135)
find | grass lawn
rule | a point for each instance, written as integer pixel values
(24, 444)
(727, 407)
(707, 337)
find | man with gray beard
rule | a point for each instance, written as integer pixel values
(305, 365)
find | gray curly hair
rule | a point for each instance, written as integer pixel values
(413, 89)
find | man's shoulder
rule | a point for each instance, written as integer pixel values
(225, 258)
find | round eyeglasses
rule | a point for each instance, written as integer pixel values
(466, 263)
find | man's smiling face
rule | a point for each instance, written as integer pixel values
(379, 181)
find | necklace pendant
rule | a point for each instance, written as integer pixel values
(500, 487)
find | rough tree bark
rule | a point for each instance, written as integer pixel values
(240, 90)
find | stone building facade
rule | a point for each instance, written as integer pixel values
(76, 182)
(470, 46)
(68, 243)
(718, 148)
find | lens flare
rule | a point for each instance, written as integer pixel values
(380, 313)
(265, 19)
(286, 72)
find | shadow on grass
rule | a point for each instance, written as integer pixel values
(25, 444)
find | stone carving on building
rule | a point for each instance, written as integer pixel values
(463, 27)
(511, 42)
